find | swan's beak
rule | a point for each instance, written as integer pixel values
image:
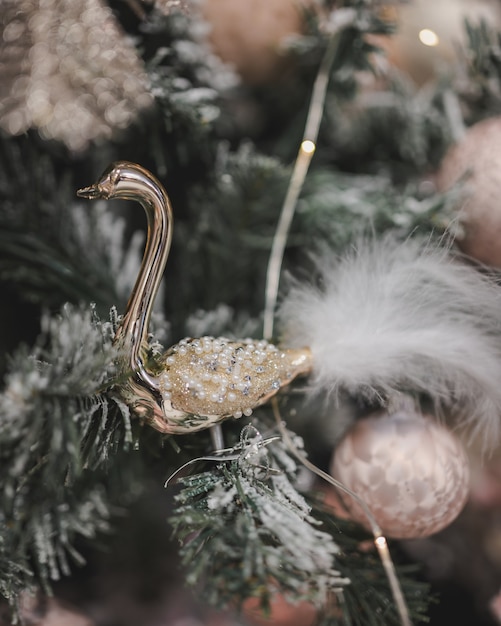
(90, 192)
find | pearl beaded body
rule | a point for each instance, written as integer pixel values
(212, 376)
(198, 382)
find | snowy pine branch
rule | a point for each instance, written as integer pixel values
(247, 532)
(56, 429)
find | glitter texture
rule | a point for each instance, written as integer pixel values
(67, 69)
(217, 377)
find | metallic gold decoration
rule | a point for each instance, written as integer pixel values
(68, 70)
(199, 382)
(203, 375)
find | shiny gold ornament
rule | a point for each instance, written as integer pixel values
(198, 382)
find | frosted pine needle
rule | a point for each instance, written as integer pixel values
(55, 426)
(248, 533)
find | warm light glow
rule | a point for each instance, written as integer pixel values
(308, 147)
(428, 37)
(380, 541)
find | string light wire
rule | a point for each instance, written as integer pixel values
(379, 539)
(305, 154)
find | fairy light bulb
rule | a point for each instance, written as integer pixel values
(198, 382)
(308, 146)
(428, 37)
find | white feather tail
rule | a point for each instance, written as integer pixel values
(399, 317)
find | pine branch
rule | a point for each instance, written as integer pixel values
(367, 601)
(246, 531)
(393, 126)
(52, 249)
(478, 77)
(188, 83)
(57, 429)
(337, 208)
(15, 573)
(230, 231)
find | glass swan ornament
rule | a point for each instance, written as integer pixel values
(198, 382)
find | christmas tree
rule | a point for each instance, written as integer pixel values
(317, 301)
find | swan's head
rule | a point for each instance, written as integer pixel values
(120, 180)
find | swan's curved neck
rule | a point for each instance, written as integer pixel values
(150, 194)
(132, 182)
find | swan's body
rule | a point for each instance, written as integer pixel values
(201, 381)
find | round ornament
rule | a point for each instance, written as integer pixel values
(412, 473)
(476, 161)
(250, 35)
(281, 613)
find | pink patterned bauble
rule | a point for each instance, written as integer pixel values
(252, 35)
(476, 160)
(411, 472)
